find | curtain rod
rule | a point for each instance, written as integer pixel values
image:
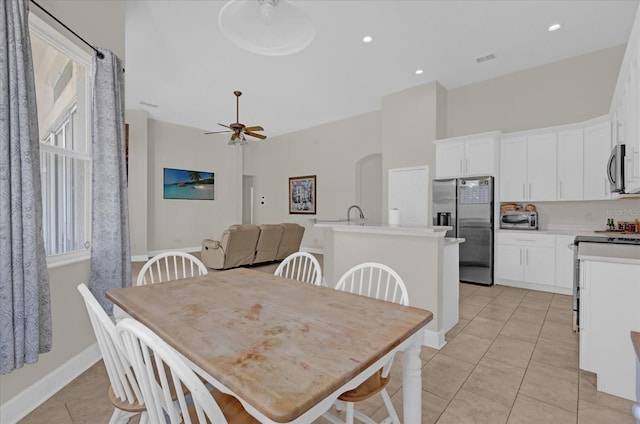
(98, 53)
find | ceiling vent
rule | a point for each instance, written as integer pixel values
(486, 58)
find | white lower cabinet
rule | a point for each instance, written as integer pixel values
(564, 262)
(526, 260)
(609, 299)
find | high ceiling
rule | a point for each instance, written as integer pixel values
(178, 59)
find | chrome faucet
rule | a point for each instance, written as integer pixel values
(349, 212)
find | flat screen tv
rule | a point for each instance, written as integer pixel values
(189, 185)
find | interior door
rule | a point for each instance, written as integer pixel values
(409, 193)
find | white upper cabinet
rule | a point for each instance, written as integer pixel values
(480, 155)
(513, 169)
(597, 146)
(625, 109)
(561, 163)
(528, 168)
(541, 167)
(570, 164)
(449, 159)
(467, 156)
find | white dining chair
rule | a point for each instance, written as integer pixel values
(150, 354)
(301, 266)
(170, 266)
(124, 393)
(378, 281)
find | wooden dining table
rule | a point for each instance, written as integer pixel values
(285, 349)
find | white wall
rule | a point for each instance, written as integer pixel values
(563, 92)
(100, 22)
(177, 223)
(330, 152)
(409, 126)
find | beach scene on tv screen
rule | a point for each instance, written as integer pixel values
(185, 184)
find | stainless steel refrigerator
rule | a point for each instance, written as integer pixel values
(466, 204)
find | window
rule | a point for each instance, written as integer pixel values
(62, 76)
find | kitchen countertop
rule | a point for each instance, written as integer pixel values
(401, 230)
(606, 252)
(571, 232)
(451, 240)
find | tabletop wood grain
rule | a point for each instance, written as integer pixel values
(279, 344)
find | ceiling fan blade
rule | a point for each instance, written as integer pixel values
(223, 125)
(217, 132)
(252, 134)
(257, 128)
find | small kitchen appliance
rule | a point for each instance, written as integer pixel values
(519, 220)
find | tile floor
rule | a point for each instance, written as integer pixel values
(512, 358)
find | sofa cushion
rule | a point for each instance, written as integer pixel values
(240, 248)
(268, 242)
(291, 239)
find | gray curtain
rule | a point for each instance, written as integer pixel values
(110, 245)
(25, 308)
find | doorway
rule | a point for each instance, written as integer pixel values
(247, 198)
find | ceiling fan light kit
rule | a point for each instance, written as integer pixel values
(268, 27)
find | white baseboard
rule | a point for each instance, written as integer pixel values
(533, 286)
(180, 249)
(434, 339)
(318, 250)
(36, 394)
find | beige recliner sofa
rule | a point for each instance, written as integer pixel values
(236, 247)
(251, 244)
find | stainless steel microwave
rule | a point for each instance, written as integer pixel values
(615, 169)
(519, 220)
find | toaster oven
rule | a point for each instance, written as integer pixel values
(519, 220)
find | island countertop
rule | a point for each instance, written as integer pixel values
(401, 230)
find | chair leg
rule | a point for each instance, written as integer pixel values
(121, 417)
(350, 409)
(330, 417)
(389, 405)
(144, 418)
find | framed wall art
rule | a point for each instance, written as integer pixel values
(186, 184)
(302, 195)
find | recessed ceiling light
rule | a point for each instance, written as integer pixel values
(554, 27)
(367, 39)
(419, 72)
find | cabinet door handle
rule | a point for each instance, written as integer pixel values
(520, 256)
(461, 169)
(523, 195)
(466, 165)
(526, 257)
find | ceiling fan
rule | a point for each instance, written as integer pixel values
(239, 130)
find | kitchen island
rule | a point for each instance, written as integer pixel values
(609, 299)
(426, 261)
